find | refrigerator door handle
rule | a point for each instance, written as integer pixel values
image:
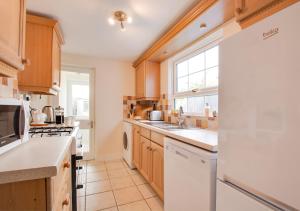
(275, 205)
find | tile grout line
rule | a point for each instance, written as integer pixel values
(112, 188)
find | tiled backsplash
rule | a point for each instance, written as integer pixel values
(141, 108)
(8, 87)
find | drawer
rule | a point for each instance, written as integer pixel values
(145, 132)
(63, 200)
(157, 138)
(62, 181)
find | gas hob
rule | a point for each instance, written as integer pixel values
(58, 131)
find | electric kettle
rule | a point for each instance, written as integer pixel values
(49, 111)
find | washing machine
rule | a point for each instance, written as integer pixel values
(128, 144)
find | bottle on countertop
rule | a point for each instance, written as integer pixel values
(206, 110)
(59, 115)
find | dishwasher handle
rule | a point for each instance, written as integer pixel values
(177, 151)
(181, 154)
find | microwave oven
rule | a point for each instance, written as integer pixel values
(14, 123)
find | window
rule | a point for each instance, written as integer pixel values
(196, 81)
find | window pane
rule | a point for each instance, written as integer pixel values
(196, 80)
(196, 63)
(80, 101)
(212, 57)
(182, 69)
(212, 101)
(212, 77)
(181, 102)
(182, 84)
(195, 104)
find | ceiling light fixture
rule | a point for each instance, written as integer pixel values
(119, 16)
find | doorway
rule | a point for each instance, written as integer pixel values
(77, 97)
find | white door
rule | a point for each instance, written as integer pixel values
(259, 109)
(77, 97)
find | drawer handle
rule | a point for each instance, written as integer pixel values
(26, 61)
(66, 202)
(67, 165)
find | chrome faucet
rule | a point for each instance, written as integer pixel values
(180, 118)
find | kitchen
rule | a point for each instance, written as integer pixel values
(118, 105)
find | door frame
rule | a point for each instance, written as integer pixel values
(91, 72)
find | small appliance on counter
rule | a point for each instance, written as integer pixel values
(14, 123)
(59, 115)
(49, 111)
(38, 118)
(155, 115)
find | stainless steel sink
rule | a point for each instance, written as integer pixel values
(165, 126)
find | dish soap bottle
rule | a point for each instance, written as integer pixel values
(206, 110)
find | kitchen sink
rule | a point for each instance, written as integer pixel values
(165, 126)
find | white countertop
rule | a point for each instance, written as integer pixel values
(203, 138)
(35, 159)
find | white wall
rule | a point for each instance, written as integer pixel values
(113, 80)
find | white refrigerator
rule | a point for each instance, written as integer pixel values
(259, 106)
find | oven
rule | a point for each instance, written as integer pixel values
(14, 123)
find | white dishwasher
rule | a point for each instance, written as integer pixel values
(190, 177)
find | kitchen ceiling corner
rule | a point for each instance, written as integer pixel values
(81, 19)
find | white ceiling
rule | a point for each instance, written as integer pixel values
(87, 32)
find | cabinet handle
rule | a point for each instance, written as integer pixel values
(67, 165)
(66, 202)
(26, 61)
(241, 7)
(55, 83)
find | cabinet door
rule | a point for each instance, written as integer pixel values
(245, 8)
(12, 32)
(145, 157)
(38, 51)
(56, 58)
(140, 81)
(152, 80)
(136, 147)
(157, 169)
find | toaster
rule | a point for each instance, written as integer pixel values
(155, 115)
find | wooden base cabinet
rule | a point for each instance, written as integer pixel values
(46, 194)
(157, 169)
(148, 157)
(145, 157)
(43, 49)
(136, 146)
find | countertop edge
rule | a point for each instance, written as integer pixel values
(211, 148)
(35, 173)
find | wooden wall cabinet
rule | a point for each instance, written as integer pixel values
(12, 35)
(248, 12)
(148, 81)
(41, 194)
(43, 49)
(148, 156)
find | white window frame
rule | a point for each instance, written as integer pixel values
(195, 92)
